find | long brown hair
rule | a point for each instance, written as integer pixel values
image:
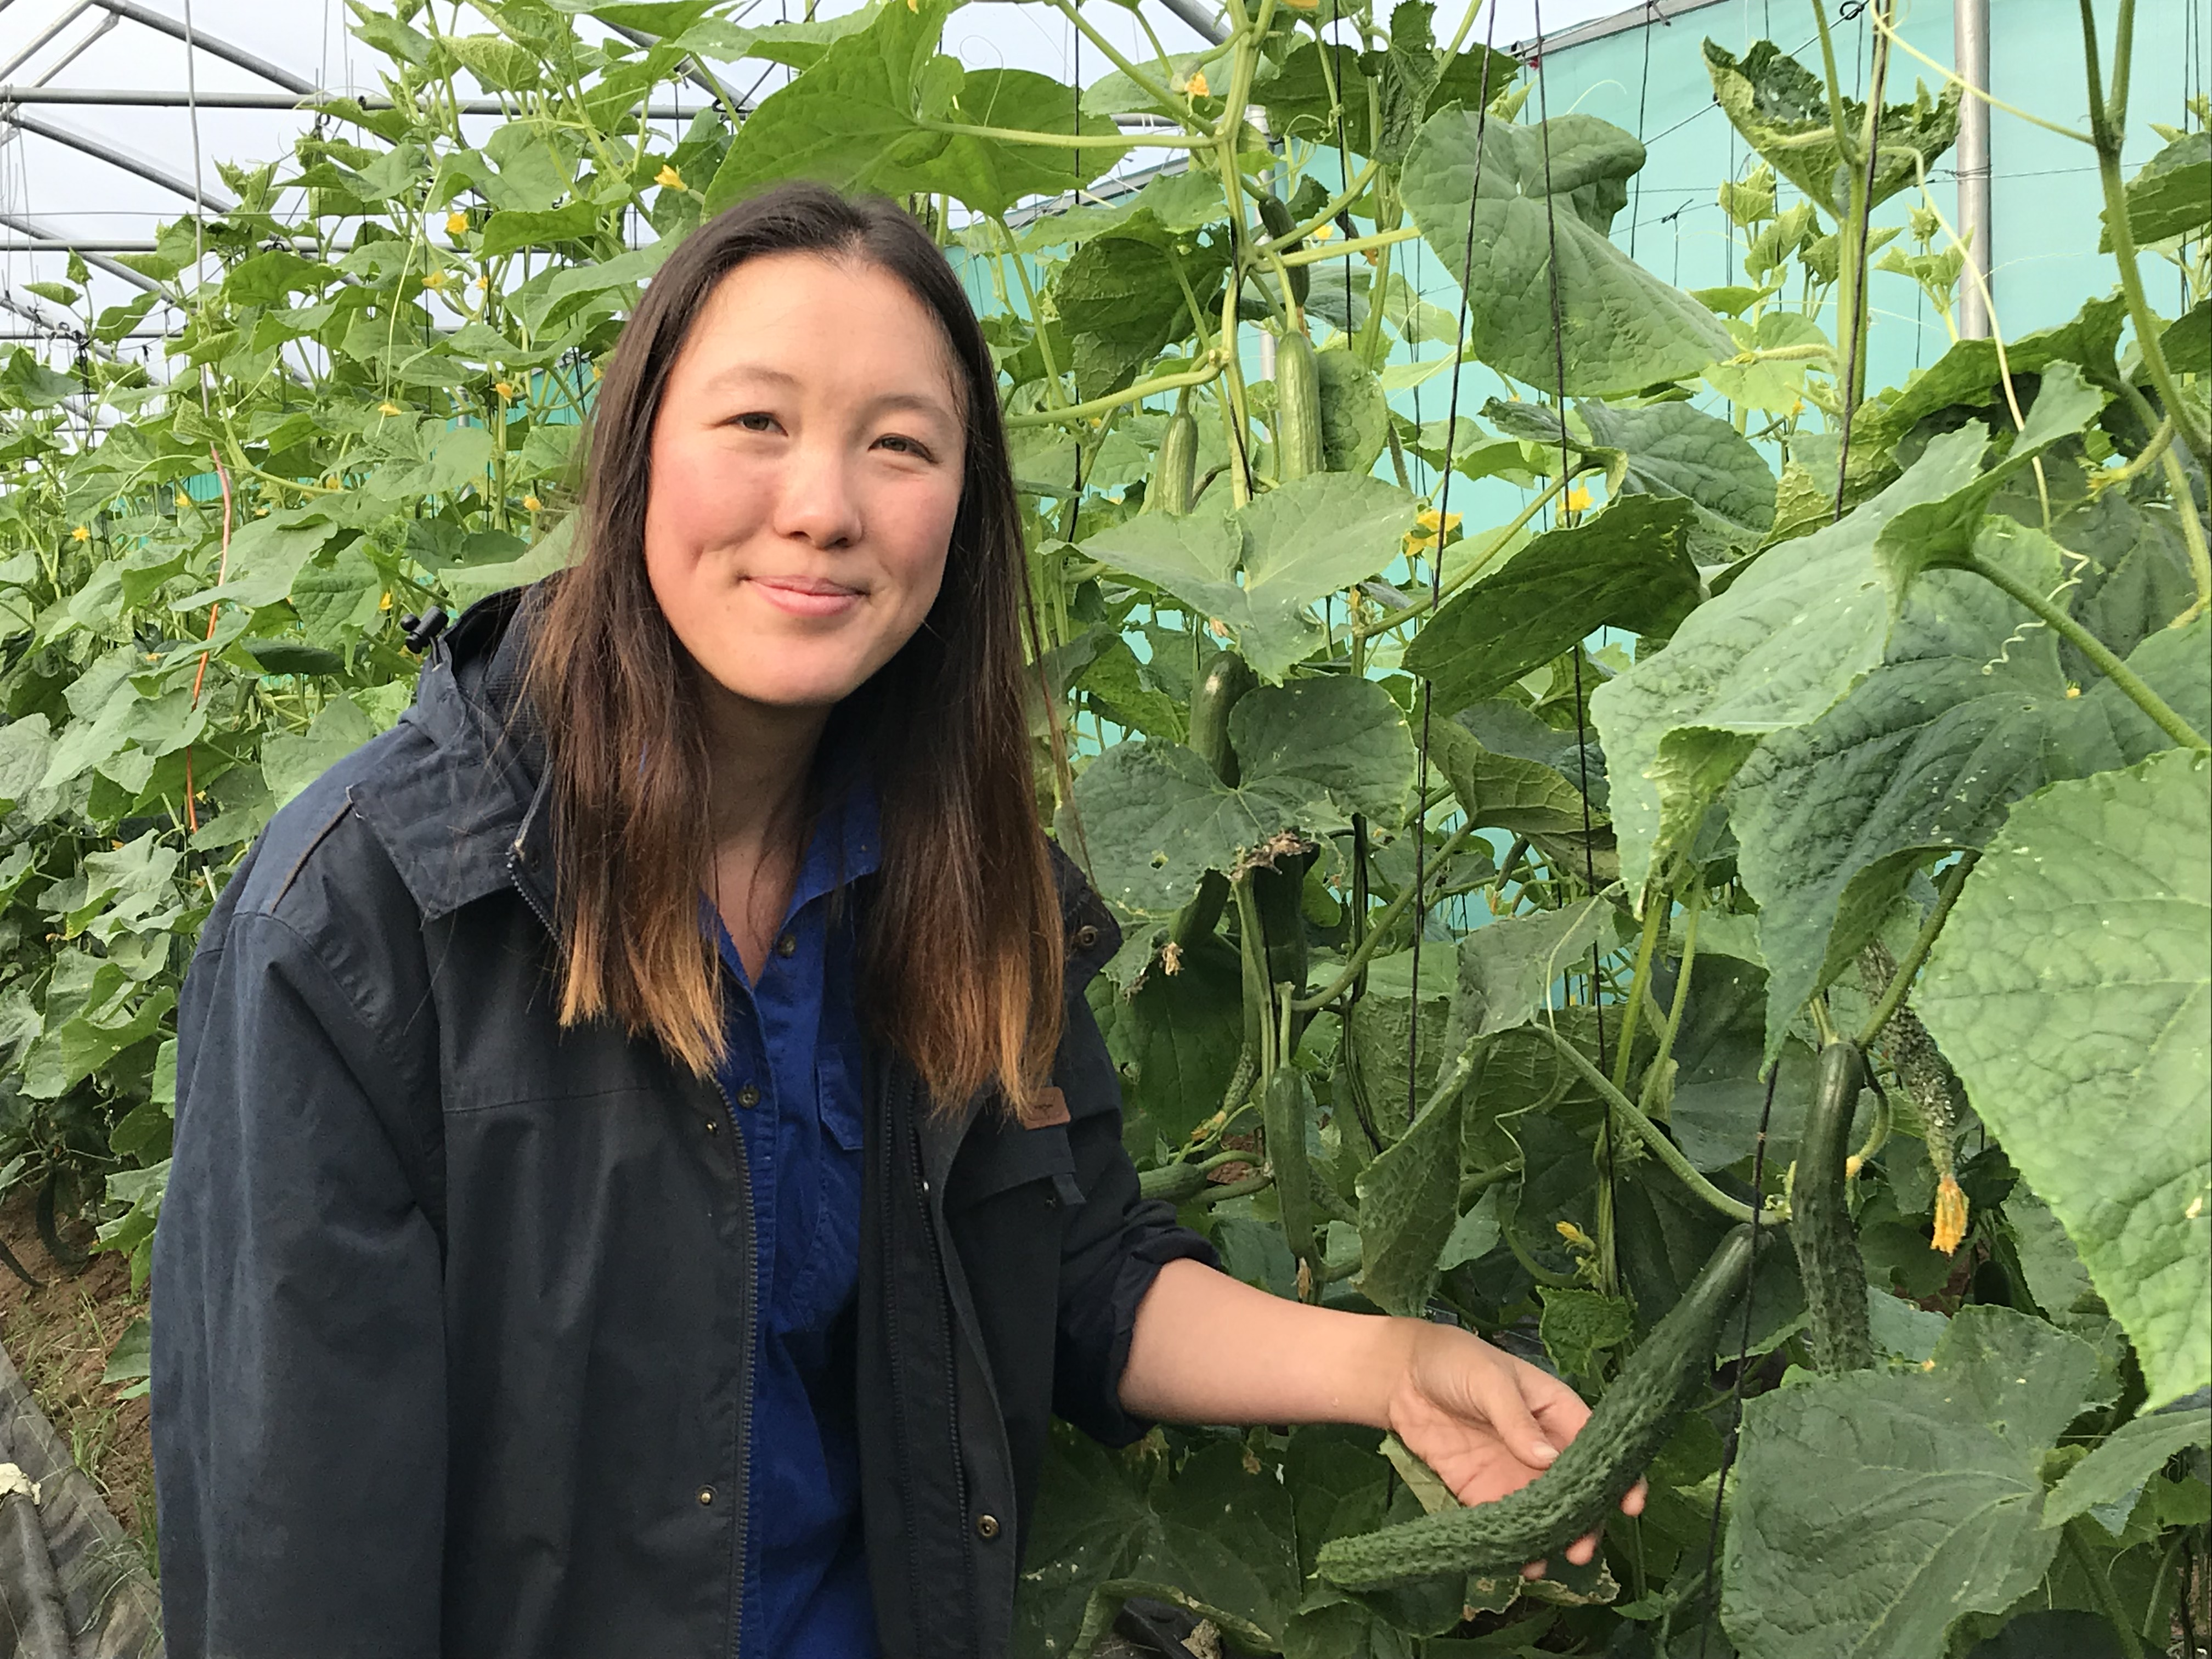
(961, 948)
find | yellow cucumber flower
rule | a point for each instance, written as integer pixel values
(668, 178)
(1198, 87)
(434, 281)
(457, 223)
(387, 407)
(1951, 1209)
(505, 388)
(82, 534)
(531, 504)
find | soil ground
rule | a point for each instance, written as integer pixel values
(59, 1337)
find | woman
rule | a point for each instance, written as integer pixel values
(646, 1172)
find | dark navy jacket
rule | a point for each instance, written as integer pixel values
(452, 1308)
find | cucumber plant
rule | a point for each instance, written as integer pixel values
(1684, 791)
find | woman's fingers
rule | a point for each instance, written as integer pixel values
(1634, 1504)
(1498, 1395)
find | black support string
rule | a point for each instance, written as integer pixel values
(1436, 578)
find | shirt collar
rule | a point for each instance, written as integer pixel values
(847, 844)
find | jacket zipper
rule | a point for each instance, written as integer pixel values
(749, 1305)
(951, 1352)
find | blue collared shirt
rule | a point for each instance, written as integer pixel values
(793, 1076)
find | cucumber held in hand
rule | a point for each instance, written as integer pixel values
(1594, 1474)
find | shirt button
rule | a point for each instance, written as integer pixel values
(986, 1526)
(788, 945)
(705, 1495)
(1085, 937)
(748, 1095)
(713, 1126)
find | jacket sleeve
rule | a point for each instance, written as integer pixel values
(1116, 1243)
(299, 1417)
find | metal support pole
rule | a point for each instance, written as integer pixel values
(1195, 14)
(130, 98)
(43, 240)
(114, 157)
(205, 42)
(1970, 25)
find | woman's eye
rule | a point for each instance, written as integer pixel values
(756, 420)
(904, 446)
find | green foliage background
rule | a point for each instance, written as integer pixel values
(1916, 678)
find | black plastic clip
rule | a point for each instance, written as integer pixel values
(421, 630)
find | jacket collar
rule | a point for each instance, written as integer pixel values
(459, 801)
(462, 806)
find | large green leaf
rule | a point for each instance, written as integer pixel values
(1782, 111)
(1875, 1509)
(1296, 94)
(1294, 545)
(872, 113)
(2172, 194)
(1175, 1042)
(1408, 1204)
(1504, 792)
(1667, 449)
(1628, 567)
(1508, 970)
(1624, 328)
(1217, 1537)
(1969, 712)
(2118, 1468)
(1346, 735)
(1805, 621)
(2072, 989)
(1155, 817)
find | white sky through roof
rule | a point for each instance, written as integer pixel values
(80, 43)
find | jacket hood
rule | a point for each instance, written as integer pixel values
(457, 796)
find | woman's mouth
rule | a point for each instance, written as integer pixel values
(806, 596)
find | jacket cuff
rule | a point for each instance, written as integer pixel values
(1098, 1411)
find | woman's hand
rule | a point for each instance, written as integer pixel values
(1207, 1349)
(1487, 1423)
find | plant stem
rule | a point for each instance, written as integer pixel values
(1136, 393)
(1421, 606)
(2101, 1588)
(1655, 916)
(1646, 1131)
(1320, 251)
(1390, 913)
(1655, 1075)
(2096, 650)
(1167, 100)
(1892, 996)
(2108, 120)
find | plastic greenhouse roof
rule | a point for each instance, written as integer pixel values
(98, 173)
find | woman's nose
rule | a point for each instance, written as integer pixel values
(818, 501)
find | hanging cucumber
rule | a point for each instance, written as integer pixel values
(1284, 1115)
(1275, 215)
(1828, 1260)
(1278, 892)
(1594, 1474)
(1227, 677)
(1297, 408)
(1174, 473)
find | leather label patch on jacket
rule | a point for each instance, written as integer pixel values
(1051, 1107)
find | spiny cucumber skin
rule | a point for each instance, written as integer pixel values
(1593, 1474)
(1297, 408)
(1285, 1117)
(1827, 1246)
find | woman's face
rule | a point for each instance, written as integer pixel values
(807, 463)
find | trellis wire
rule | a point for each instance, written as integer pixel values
(1437, 579)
